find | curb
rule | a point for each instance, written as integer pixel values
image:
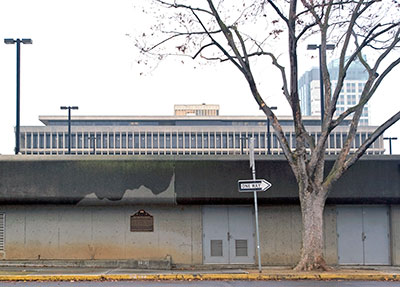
(192, 277)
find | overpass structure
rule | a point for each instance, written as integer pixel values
(189, 209)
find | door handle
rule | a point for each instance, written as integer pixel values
(228, 235)
(363, 236)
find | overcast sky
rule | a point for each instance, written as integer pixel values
(83, 55)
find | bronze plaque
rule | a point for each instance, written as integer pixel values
(142, 221)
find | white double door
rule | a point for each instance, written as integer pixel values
(228, 234)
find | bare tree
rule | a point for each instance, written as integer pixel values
(241, 32)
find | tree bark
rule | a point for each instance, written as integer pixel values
(312, 207)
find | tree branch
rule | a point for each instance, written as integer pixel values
(337, 170)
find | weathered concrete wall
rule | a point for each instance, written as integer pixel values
(370, 180)
(185, 180)
(280, 234)
(104, 182)
(66, 232)
(395, 233)
(71, 232)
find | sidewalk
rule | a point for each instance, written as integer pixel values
(268, 273)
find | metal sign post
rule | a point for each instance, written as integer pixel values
(253, 171)
(254, 186)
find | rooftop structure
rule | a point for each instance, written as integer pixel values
(196, 110)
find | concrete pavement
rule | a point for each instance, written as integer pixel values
(29, 273)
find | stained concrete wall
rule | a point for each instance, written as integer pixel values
(67, 232)
(395, 233)
(113, 180)
(89, 232)
(280, 234)
(71, 232)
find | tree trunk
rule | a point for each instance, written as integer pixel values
(312, 207)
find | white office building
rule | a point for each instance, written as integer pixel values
(173, 135)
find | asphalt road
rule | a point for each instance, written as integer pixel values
(207, 284)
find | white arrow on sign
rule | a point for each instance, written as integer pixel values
(249, 185)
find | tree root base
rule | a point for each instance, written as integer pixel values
(312, 264)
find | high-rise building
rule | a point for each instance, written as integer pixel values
(353, 85)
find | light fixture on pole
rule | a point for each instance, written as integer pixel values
(390, 139)
(69, 108)
(17, 126)
(269, 133)
(321, 84)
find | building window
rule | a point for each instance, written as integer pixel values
(168, 140)
(212, 140)
(79, 140)
(262, 140)
(361, 87)
(123, 144)
(47, 140)
(41, 140)
(117, 140)
(180, 140)
(351, 99)
(155, 140)
(142, 140)
(218, 140)
(341, 100)
(35, 140)
(205, 140)
(193, 140)
(174, 140)
(199, 140)
(136, 141)
(187, 140)
(73, 140)
(149, 142)
(104, 140)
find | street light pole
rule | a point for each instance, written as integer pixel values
(390, 142)
(321, 82)
(269, 133)
(69, 108)
(18, 44)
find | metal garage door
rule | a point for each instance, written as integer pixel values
(363, 235)
(228, 234)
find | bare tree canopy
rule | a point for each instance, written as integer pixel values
(244, 31)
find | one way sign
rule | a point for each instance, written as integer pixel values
(253, 185)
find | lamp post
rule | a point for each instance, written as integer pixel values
(17, 126)
(390, 142)
(321, 84)
(269, 133)
(69, 108)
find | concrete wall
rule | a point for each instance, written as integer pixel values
(395, 233)
(180, 180)
(67, 232)
(72, 232)
(280, 234)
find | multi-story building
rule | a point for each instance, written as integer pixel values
(196, 110)
(173, 135)
(309, 90)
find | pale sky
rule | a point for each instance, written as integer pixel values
(83, 55)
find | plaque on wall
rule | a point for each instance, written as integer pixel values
(142, 221)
